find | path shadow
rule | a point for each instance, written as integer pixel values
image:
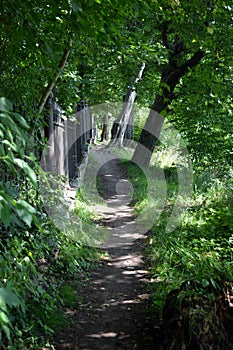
(107, 179)
(113, 315)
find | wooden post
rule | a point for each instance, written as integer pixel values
(50, 158)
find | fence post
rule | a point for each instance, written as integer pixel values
(59, 140)
(66, 150)
(67, 140)
(50, 159)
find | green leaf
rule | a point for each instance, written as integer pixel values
(2, 150)
(10, 145)
(214, 283)
(205, 283)
(4, 318)
(27, 169)
(210, 30)
(166, 86)
(5, 212)
(21, 120)
(25, 211)
(24, 215)
(5, 105)
(8, 297)
(76, 7)
(7, 331)
(10, 125)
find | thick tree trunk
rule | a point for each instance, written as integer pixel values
(120, 125)
(170, 78)
(148, 139)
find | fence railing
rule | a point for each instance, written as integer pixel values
(68, 140)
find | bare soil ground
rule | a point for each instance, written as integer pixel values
(114, 309)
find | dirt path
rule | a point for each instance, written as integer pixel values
(113, 315)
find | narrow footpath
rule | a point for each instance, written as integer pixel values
(114, 303)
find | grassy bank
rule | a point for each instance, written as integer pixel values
(191, 266)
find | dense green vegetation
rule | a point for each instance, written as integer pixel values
(191, 267)
(93, 50)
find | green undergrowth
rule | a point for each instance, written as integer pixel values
(41, 268)
(191, 266)
(89, 231)
(140, 186)
(198, 253)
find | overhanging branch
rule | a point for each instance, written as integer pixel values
(52, 82)
(193, 61)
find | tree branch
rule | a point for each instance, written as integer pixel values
(193, 61)
(120, 124)
(164, 36)
(139, 77)
(52, 82)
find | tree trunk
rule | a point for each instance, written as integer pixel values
(148, 139)
(171, 75)
(120, 125)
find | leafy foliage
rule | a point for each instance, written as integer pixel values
(191, 267)
(14, 133)
(34, 266)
